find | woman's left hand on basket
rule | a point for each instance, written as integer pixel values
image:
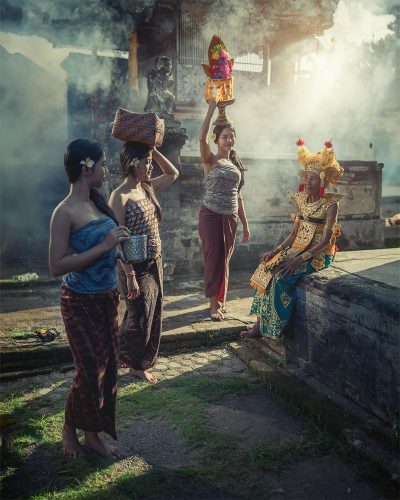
(289, 266)
(133, 287)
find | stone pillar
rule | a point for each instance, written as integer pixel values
(170, 201)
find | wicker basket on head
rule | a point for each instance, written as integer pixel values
(138, 127)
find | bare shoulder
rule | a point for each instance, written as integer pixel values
(63, 214)
(119, 191)
(63, 209)
(118, 194)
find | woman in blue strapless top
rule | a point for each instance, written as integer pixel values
(83, 236)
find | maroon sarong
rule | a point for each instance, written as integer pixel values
(91, 324)
(217, 234)
(140, 330)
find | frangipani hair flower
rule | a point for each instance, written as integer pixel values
(135, 162)
(88, 162)
(213, 136)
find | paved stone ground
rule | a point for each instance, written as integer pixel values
(253, 418)
(185, 311)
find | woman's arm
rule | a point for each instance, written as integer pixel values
(287, 242)
(331, 218)
(170, 172)
(243, 220)
(119, 209)
(205, 151)
(60, 260)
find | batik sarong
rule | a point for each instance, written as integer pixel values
(140, 330)
(217, 234)
(91, 324)
(275, 307)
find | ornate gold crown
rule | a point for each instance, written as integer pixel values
(323, 162)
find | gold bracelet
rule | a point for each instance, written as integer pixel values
(330, 226)
(280, 247)
(305, 256)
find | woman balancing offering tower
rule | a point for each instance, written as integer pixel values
(310, 247)
(224, 179)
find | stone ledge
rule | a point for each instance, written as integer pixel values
(44, 358)
(345, 330)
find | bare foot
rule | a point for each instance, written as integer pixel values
(223, 308)
(94, 443)
(70, 443)
(216, 313)
(251, 333)
(146, 376)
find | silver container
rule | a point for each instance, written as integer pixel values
(135, 249)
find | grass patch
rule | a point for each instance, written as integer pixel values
(21, 333)
(314, 442)
(36, 469)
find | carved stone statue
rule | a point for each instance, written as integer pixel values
(160, 85)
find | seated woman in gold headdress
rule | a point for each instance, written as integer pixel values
(310, 246)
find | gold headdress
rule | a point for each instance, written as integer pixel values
(323, 162)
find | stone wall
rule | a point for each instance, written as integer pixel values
(268, 182)
(345, 331)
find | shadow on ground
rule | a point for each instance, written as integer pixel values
(207, 430)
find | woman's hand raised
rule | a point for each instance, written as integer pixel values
(212, 104)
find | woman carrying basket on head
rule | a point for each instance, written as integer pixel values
(136, 207)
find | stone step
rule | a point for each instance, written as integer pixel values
(16, 363)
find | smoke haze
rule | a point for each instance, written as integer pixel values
(344, 86)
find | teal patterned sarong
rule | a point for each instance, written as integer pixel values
(275, 307)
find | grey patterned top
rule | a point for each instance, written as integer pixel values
(222, 187)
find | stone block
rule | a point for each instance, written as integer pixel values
(348, 340)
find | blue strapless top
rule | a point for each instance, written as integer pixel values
(100, 275)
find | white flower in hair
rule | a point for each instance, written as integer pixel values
(135, 162)
(88, 162)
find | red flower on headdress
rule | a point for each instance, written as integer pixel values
(328, 144)
(299, 142)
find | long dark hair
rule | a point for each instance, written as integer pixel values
(137, 150)
(77, 151)
(233, 156)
